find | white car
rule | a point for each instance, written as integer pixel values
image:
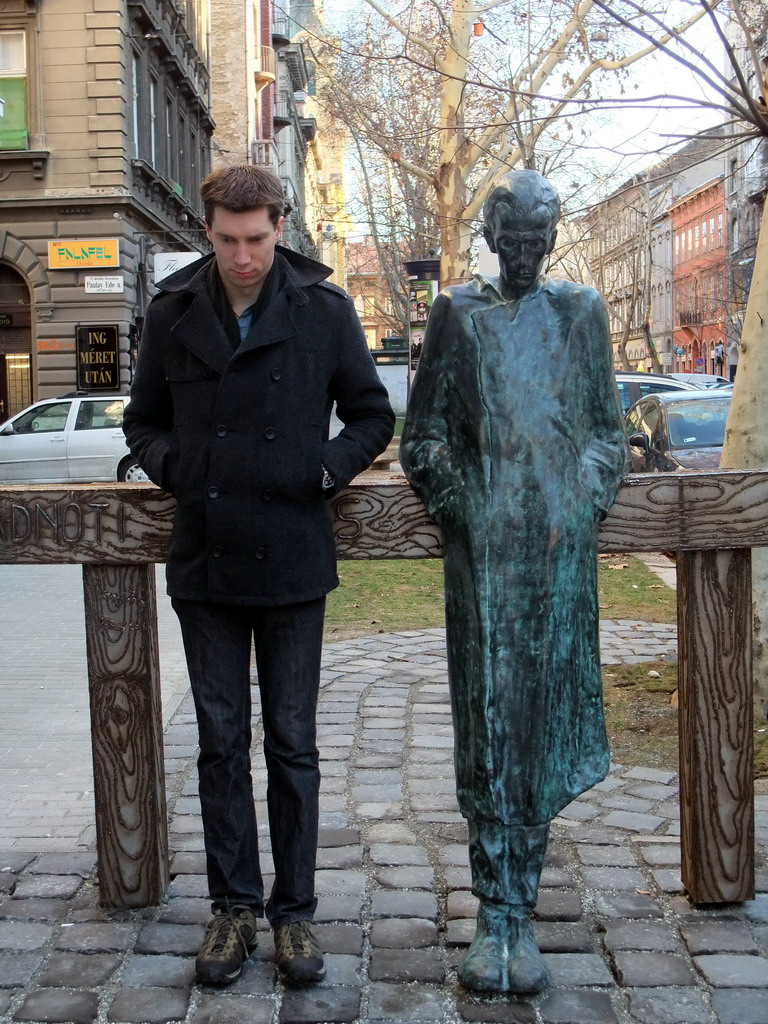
(633, 386)
(75, 438)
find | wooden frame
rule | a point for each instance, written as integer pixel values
(118, 533)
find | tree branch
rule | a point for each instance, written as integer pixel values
(406, 33)
(726, 90)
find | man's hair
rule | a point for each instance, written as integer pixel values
(241, 188)
(526, 192)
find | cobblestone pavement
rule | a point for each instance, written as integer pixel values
(395, 911)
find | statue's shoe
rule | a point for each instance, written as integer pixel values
(528, 973)
(484, 968)
(503, 956)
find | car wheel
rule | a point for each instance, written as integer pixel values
(130, 472)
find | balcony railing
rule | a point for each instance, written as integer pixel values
(264, 69)
(690, 316)
(263, 153)
(281, 25)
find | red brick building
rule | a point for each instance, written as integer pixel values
(699, 277)
(367, 284)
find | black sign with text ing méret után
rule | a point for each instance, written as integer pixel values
(98, 364)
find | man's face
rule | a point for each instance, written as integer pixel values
(521, 241)
(244, 244)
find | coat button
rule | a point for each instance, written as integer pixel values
(213, 492)
(270, 433)
(221, 430)
(216, 551)
(266, 495)
(260, 552)
(276, 375)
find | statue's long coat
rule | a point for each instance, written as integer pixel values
(514, 441)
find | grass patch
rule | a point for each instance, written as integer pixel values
(761, 751)
(627, 589)
(641, 721)
(385, 596)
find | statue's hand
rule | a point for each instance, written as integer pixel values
(437, 480)
(601, 467)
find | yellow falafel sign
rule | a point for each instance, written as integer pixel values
(78, 253)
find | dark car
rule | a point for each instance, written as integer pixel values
(677, 431)
(632, 385)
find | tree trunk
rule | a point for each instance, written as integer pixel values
(649, 344)
(621, 350)
(456, 237)
(454, 152)
(746, 442)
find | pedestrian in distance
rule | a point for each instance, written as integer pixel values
(242, 357)
(719, 357)
(514, 440)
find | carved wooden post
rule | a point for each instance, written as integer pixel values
(716, 741)
(126, 733)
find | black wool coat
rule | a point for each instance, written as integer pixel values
(240, 437)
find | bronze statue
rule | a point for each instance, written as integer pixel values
(514, 441)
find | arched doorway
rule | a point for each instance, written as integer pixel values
(15, 343)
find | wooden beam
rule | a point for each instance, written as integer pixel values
(126, 734)
(715, 724)
(377, 516)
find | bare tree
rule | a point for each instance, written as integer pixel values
(496, 85)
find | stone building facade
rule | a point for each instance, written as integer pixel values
(263, 103)
(631, 256)
(100, 165)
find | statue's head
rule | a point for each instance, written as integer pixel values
(521, 215)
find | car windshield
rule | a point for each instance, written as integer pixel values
(697, 424)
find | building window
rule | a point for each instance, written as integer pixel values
(171, 169)
(193, 169)
(13, 91)
(719, 230)
(135, 95)
(153, 125)
(183, 178)
(704, 236)
(203, 168)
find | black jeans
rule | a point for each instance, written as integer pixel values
(288, 644)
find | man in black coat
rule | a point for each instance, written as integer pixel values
(242, 356)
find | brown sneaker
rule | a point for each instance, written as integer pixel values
(297, 955)
(229, 940)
